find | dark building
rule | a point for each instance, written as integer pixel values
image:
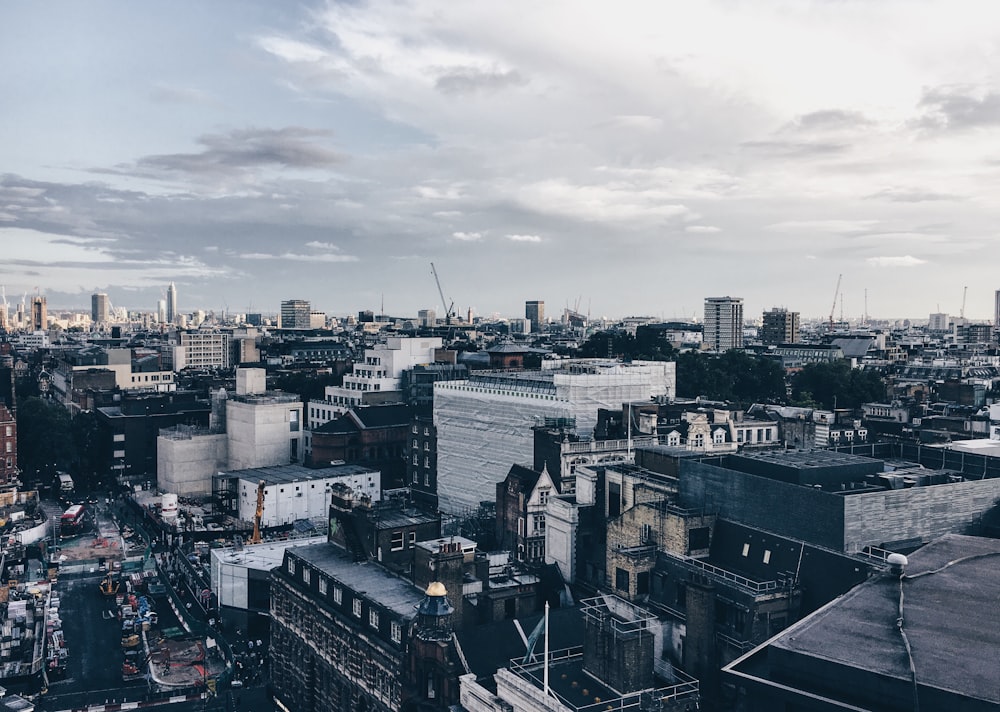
(521, 501)
(370, 435)
(780, 326)
(8, 446)
(901, 641)
(534, 311)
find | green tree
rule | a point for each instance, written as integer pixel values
(733, 376)
(45, 441)
(837, 385)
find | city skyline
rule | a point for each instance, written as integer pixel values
(253, 153)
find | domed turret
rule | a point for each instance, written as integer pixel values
(434, 613)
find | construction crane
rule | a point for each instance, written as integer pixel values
(836, 293)
(451, 306)
(258, 515)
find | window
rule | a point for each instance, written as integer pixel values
(10, 431)
(306, 574)
(291, 566)
(538, 524)
(322, 585)
(698, 538)
(646, 533)
(621, 579)
(746, 549)
(767, 556)
(396, 543)
(543, 497)
(396, 631)
(338, 594)
(357, 607)
(373, 618)
(413, 539)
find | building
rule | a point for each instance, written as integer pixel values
(484, 423)
(780, 326)
(203, 349)
(938, 323)
(8, 446)
(996, 309)
(371, 435)
(375, 378)
(39, 314)
(296, 314)
(521, 501)
(171, 312)
(262, 427)
(903, 640)
(427, 318)
(535, 313)
(100, 308)
(723, 327)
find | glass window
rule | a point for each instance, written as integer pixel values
(291, 566)
(357, 607)
(322, 585)
(373, 618)
(396, 631)
(338, 594)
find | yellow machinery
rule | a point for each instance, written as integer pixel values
(259, 515)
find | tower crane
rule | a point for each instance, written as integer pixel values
(836, 293)
(258, 515)
(450, 310)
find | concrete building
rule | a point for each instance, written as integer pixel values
(996, 309)
(780, 326)
(427, 318)
(295, 314)
(100, 308)
(263, 427)
(375, 378)
(484, 424)
(203, 349)
(900, 641)
(8, 446)
(938, 323)
(171, 306)
(534, 312)
(723, 327)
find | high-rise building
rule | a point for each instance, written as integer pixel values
(427, 318)
(938, 322)
(100, 308)
(295, 314)
(723, 328)
(171, 303)
(535, 311)
(39, 314)
(996, 309)
(780, 327)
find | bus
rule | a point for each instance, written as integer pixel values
(74, 520)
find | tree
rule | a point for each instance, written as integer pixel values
(45, 441)
(837, 385)
(733, 376)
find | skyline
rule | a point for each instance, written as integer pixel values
(257, 152)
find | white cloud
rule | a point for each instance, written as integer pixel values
(702, 229)
(294, 257)
(524, 238)
(467, 236)
(903, 261)
(315, 244)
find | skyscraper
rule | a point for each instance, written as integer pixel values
(295, 314)
(535, 311)
(780, 327)
(161, 311)
(171, 303)
(100, 312)
(723, 323)
(996, 309)
(39, 314)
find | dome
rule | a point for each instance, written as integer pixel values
(436, 589)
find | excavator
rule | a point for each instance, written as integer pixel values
(255, 538)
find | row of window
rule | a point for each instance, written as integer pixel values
(323, 586)
(154, 377)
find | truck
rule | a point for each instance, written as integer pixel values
(65, 482)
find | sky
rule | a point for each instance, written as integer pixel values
(627, 158)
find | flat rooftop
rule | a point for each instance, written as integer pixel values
(368, 578)
(287, 474)
(852, 651)
(261, 557)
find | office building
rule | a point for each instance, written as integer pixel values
(780, 326)
(171, 303)
(39, 314)
(203, 349)
(161, 311)
(100, 308)
(535, 312)
(723, 323)
(295, 314)
(996, 309)
(938, 323)
(427, 318)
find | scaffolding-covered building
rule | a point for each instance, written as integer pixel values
(484, 423)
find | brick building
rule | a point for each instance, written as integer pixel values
(8, 446)
(521, 501)
(374, 436)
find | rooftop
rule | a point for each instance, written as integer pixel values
(285, 474)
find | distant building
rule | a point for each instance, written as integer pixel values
(172, 303)
(780, 326)
(996, 309)
(427, 318)
(203, 348)
(534, 312)
(39, 314)
(8, 446)
(161, 311)
(100, 308)
(937, 323)
(723, 327)
(295, 314)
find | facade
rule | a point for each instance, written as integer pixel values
(996, 309)
(780, 326)
(484, 423)
(8, 446)
(534, 311)
(723, 327)
(203, 349)
(100, 308)
(521, 502)
(39, 314)
(938, 323)
(903, 640)
(295, 314)
(263, 428)
(376, 378)
(171, 307)
(374, 436)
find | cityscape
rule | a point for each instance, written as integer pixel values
(382, 356)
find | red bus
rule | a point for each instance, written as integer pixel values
(73, 521)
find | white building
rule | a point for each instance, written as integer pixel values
(723, 327)
(379, 372)
(203, 349)
(484, 423)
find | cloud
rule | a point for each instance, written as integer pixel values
(294, 257)
(903, 261)
(834, 226)
(524, 238)
(959, 107)
(909, 195)
(316, 244)
(167, 94)
(468, 80)
(241, 149)
(467, 236)
(829, 120)
(792, 149)
(705, 229)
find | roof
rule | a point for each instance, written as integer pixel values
(852, 647)
(371, 578)
(369, 417)
(285, 474)
(855, 348)
(527, 477)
